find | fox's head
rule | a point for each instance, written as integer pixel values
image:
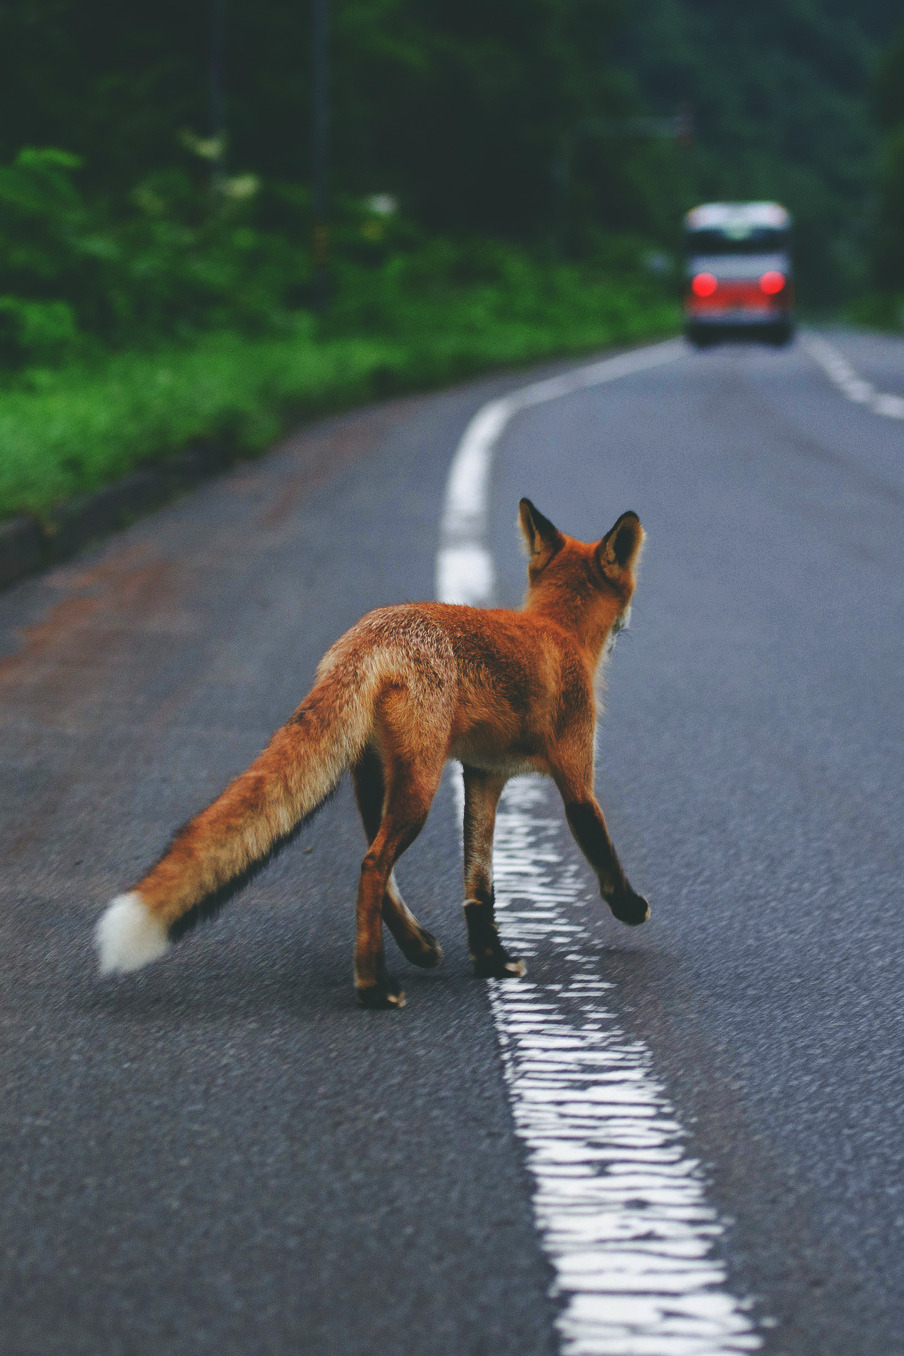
(585, 585)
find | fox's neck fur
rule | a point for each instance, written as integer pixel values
(572, 591)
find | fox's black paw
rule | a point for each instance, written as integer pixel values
(498, 964)
(423, 950)
(630, 908)
(384, 992)
(382, 996)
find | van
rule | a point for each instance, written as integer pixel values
(738, 281)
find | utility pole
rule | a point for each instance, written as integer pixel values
(320, 243)
(218, 90)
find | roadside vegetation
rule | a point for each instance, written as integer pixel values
(883, 303)
(184, 323)
(72, 428)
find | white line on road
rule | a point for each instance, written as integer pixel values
(620, 1206)
(840, 371)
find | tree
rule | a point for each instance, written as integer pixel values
(889, 91)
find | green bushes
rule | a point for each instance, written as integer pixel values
(883, 305)
(130, 331)
(79, 276)
(185, 256)
(73, 429)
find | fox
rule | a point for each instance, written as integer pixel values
(409, 687)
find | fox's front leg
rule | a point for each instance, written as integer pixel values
(489, 956)
(585, 819)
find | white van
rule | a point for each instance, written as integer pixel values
(738, 274)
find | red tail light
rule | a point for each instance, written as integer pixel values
(704, 284)
(772, 282)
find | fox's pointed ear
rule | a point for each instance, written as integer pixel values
(543, 540)
(619, 551)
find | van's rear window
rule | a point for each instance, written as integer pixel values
(737, 240)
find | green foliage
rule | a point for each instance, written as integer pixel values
(889, 85)
(176, 258)
(183, 257)
(459, 111)
(74, 428)
(889, 245)
(41, 216)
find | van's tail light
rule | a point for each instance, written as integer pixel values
(703, 284)
(772, 282)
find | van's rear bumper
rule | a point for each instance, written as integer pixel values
(745, 317)
(773, 326)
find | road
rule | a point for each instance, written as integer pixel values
(222, 1153)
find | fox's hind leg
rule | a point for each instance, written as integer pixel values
(412, 770)
(416, 944)
(488, 955)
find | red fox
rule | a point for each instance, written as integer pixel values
(406, 689)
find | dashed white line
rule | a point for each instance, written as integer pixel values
(620, 1206)
(840, 371)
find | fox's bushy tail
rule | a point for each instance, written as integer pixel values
(221, 847)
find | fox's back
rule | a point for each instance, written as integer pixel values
(501, 682)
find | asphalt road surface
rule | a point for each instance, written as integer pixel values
(223, 1153)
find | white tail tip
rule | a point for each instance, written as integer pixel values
(128, 935)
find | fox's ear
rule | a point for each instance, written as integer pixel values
(543, 540)
(619, 551)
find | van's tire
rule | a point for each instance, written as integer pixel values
(781, 334)
(699, 338)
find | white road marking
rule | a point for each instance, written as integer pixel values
(840, 371)
(620, 1206)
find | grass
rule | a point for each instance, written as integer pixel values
(72, 430)
(879, 311)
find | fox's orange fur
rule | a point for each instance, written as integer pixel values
(404, 690)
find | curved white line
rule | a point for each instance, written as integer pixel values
(620, 1206)
(840, 371)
